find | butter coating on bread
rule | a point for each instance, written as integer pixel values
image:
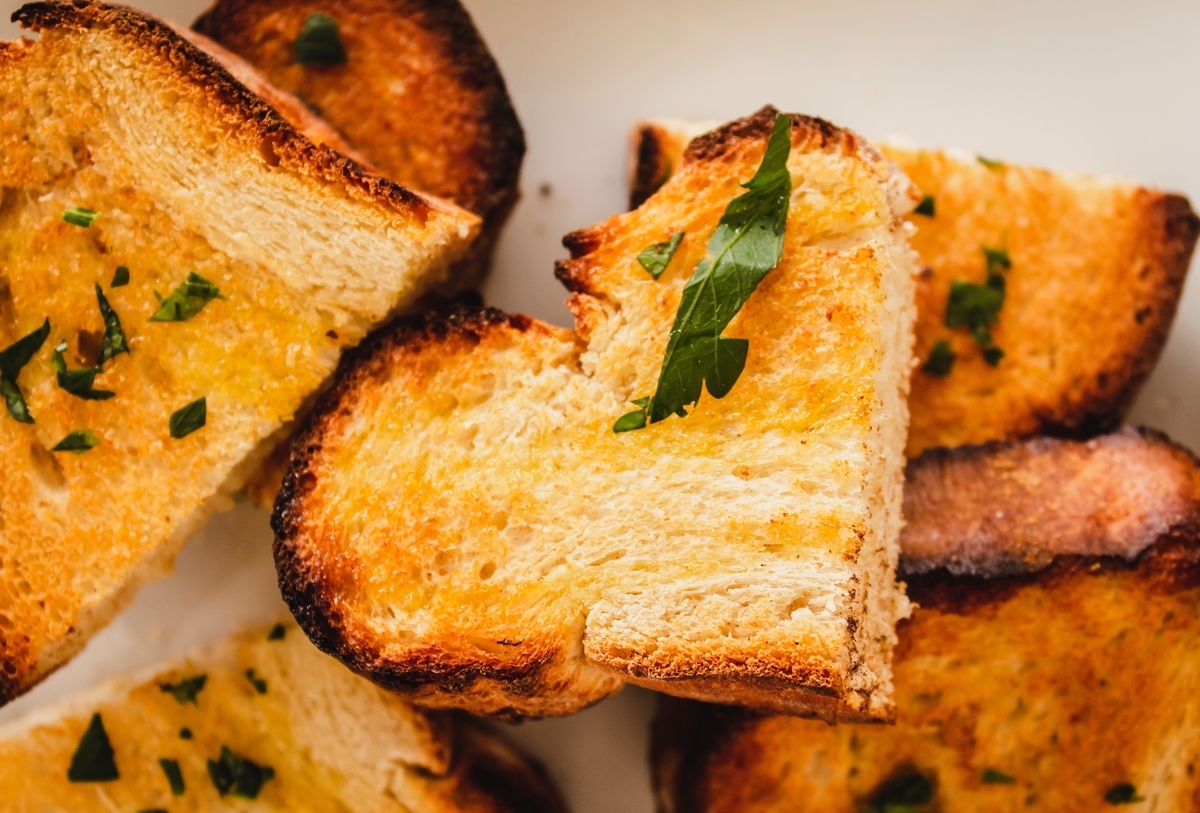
(1049, 689)
(461, 524)
(1097, 270)
(332, 740)
(188, 172)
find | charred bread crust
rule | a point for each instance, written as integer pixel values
(1010, 507)
(250, 118)
(308, 585)
(651, 164)
(17, 663)
(684, 736)
(508, 785)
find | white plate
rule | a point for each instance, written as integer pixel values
(1106, 87)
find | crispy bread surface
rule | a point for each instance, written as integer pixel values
(189, 173)
(1097, 271)
(461, 524)
(419, 95)
(1074, 679)
(307, 724)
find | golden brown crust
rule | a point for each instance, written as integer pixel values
(451, 131)
(254, 119)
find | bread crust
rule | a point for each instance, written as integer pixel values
(453, 132)
(1152, 568)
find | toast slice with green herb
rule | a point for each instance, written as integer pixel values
(180, 270)
(1049, 663)
(262, 719)
(1045, 297)
(491, 513)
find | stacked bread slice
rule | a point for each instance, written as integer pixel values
(181, 270)
(260, 721)
(1050, 663)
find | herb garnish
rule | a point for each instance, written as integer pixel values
(1123, 794)
(79, 441)
(93, 757)
(977, 307)
(941, 359)
(747, 244)
(77, 382)
(655, 258)
(174, 776)
(991, 776)
(901, 794)
(185, 691)
(238, 776)
(319, 43)
(79, 216)
(185, 733)
(187, 300)
(258, 683)
(187, 419)
(114, 337)
(121, 277)
(990, 163)
(12, 359)
(925, 207)
(277, 632)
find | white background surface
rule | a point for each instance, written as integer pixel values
(1107, 87)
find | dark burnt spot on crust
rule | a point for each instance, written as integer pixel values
(685, 738)
(262, 124)
(813, 132)
(488, 770)
(651, 166)
(16, 666)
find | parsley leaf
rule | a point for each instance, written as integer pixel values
(79, 216)
(991, 776)
(258, 683)
(114, 342)
(238, 775)
(655, 258)
(977, 307)
(121, 277)
(941, 359)
(277, 632)
(925, 207)
(77, 382)
(174, 776)
(990, 163)
(997, 259)
(1123, 794)
(79, 441)
(319, 43)
(187, 419)
(12, 359)
(902, 794)
(746, 246)
(187, 300)
(93, 757)
(185, 691)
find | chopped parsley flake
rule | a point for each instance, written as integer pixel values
(902, 794)
(319, 42)
(258, 683)
(657, 257)
(93, 757)
(990, 163)
(238, 776)
(79, 216)
(925, 207)
(977, 307)
(187, 300)
(277, 632)
(941, 359)
(114, 342)
(1123, 794)
(185, 691)
(187, 419)
(12, 360)
(174, 776)
(991, 776)
(79, 441)
(120, 278)
(77, 382)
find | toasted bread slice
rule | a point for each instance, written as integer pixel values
(1059, 687)
(1097, 270)
(189, 172)
(461, 524)
(319, 738)
(418, 94)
